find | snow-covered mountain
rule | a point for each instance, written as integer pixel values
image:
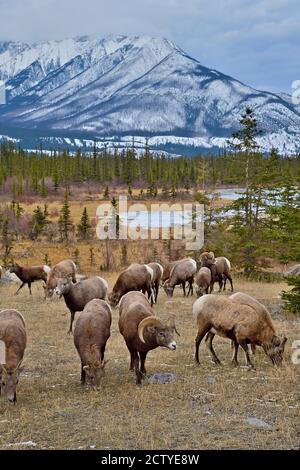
(121, 86)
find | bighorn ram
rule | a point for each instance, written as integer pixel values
(13, 338)
(241, 322)
(91, 333)
(78, 295)
(203, 281)
(62, 269)
(135, 278)
(157, 275)
(181, 273)
(143, 330)
(29, 274)
(220, 269)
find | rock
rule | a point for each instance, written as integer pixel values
(293, 271)
(211, 380)
(162, 378)
(27, 444)
(8, 277)
(258, 423)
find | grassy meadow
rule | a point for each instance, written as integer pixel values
(205, 408)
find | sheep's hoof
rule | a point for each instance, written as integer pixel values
(197, 363)
(234, 363)
(217, 362)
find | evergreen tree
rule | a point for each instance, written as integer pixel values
(292, 297)
(84, 227)
(65, 222)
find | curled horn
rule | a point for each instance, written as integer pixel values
(148, 321)
(171, 324)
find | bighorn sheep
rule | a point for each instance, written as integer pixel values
(62, 269)
(220, 269)
(135, 278)
(13, 338)
(143, 330)
(180, 273)
(29, 274)
(78, 295)
(239, 322)
(91, 333)
(157, 275)
(203, 281)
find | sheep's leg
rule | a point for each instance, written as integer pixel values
(143, 356)
(224, 283)
(230, 280)
(82, 378)
(102, 353)
(211, 287)
(71, 322)
(22, 285)
(234, 359)
(199, 338)
(29, 287)
(247, 356)
(220, 280)
(136, 363)
(183, 288)
(156, 290)
(208, 341)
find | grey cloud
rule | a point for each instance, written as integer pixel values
(256, 41)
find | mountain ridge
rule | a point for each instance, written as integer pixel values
(139, 85)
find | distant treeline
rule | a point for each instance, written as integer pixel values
(24, 172)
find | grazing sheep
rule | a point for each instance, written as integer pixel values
(13, 336)
(29, 274)
(137, 277)
(220, 269)
(181, 273)
(143, 330)
(157, 275)
(78, 295)
(91, 333)
(239, 322)
(203, 281)
(62, 269)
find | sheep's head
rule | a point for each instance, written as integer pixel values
(13, 268)
(94, 373)
(9, 378)
(200, 291)
(275, 349)
(169, 290)
(207, 259)
(163, 332)
(113, 299)
(63, 285)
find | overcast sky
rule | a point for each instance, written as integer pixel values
(255, 41)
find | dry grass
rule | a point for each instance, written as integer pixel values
(56, 412)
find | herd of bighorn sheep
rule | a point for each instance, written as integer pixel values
(239, 317)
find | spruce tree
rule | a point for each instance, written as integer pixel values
(84, 227)
(65, 222)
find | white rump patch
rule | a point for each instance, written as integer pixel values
(2, 353)
(194, 264)
(46, 269)
(161, 268)
(199, 304)
(150, 271)
(104, 281)
(228, 263)
(75, 267)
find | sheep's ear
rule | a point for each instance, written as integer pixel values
(151, 329)
(86, 367)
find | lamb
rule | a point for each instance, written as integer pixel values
(135, 278)
(180, 273)
(91, 333)
(157, 275)
(203, 281)
(243, 323)
(143, 330)
(220, 269)
(13, 337)
(29, 274)
(62, 269)
(78, 295)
